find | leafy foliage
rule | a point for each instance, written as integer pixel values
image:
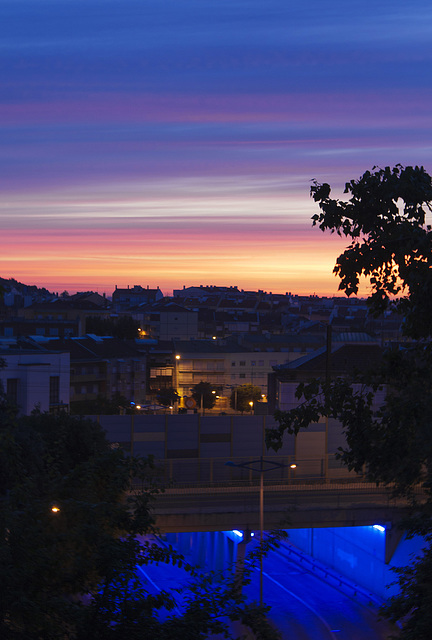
(390, 243)
(123, 327)
(242, 395)
(71, 574)
(205, 391)
(168, 396)
(413, 605)
(385, 414)
(101, 405)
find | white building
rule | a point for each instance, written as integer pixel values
(32, 378)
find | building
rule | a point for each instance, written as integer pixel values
(321, 440)
(166, 320)
(102, 367)
(64, 309)
(33, 377)
(131, 297)
(229, 363)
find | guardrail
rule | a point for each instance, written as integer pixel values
(285, 469)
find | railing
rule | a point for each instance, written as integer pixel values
(214, 471)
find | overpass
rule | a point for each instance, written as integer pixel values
(205, 495)
(299, 505)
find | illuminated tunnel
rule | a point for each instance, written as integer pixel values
(364, 555)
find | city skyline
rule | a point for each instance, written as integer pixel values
(170, 144)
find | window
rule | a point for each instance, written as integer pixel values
(242, 363)
(253, 363)
(54, 389)
(12, 390)
(242, 375)
(233, 364)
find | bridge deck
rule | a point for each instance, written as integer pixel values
(315, 503)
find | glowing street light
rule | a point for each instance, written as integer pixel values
(176, 381)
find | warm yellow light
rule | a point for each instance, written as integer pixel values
(251, 403)
(214, 392)
(177, 357)
(214, 337)
(293, 466)
(55, 509)
(138, 406)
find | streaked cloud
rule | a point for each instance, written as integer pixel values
(174, 142)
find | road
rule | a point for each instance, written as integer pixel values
(304, 605)
(285, 506)
(307, 606)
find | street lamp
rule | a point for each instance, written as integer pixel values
(177, 359)
(261, 465)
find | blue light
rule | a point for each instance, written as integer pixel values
(238, 533)
(379, 527)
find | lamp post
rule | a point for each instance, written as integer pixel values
(260, 466)
(233, 389)
(176, 372)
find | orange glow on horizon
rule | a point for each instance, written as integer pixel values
(263, 240)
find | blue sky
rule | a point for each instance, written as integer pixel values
(193, 129)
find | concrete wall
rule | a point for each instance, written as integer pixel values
(198, 446)
(357, 553)
(191, 435)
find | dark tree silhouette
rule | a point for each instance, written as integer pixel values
(391, 245)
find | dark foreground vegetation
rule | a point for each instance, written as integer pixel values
(385, 219)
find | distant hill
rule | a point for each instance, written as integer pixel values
(24, 289)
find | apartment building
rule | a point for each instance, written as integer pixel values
(34, 377)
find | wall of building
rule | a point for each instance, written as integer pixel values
(229, 369)
(32, 372)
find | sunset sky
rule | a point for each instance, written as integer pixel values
(173, 142)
